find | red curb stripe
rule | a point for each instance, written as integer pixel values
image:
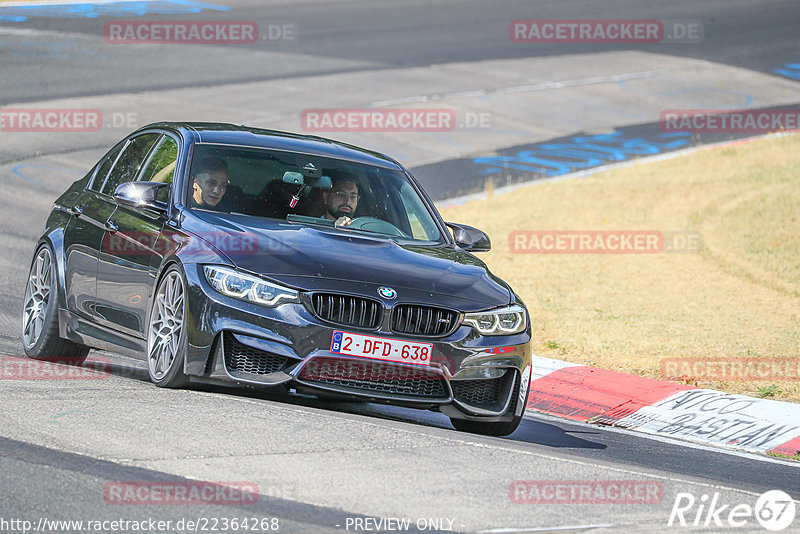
(582, 393)
(790, 448)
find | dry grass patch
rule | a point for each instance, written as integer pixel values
(738, 298)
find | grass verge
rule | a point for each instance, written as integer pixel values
(737, 299)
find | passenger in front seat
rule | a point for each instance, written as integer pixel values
(210, 183)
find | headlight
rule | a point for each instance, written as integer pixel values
(243, 286)
(503, 321)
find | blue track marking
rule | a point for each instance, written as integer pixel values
(582, 152)
(790, 70)
(72, 175)
(93, 10)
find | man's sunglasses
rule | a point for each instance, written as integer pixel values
(344, 195)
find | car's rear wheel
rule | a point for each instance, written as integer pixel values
(166, 337)
(40, 338)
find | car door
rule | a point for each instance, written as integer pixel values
(83, 235)
(129, 258)
(107, 299)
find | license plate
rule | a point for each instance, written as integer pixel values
(381, 348)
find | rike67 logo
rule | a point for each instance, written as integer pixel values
(774, 510)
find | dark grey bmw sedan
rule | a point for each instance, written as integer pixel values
(228, 254)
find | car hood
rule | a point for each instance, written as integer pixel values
(314, 258)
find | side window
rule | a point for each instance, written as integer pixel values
(422, 226)
(161, 167)
(104, 166)
(129, 162)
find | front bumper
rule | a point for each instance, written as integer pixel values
(470, 376)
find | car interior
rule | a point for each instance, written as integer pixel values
(256, 186)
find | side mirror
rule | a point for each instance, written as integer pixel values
(470, 239)
(140, 195)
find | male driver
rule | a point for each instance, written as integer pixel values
(210, 182)
(341, 200)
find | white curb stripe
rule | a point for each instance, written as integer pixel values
(714, 417)
(544, 366)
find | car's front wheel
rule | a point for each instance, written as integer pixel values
(40, 338)
(499, 428)
(166, 337)
(502, 428)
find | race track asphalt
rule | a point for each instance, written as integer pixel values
(321, 466)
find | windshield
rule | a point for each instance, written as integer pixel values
(311, 190)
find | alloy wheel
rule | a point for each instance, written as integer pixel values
(37, 298)
(166, 325)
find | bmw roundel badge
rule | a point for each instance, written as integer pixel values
(387, 292)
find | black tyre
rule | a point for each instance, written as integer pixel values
(40, 338)
(502, 428)
(166, 332)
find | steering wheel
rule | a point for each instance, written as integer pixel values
(379, 226)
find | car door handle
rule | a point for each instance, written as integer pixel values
(111, 226)
(76, 211)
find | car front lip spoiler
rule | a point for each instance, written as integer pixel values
(372, 394)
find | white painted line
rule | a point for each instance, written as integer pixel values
(465, 94)
(395, 101)
(581, 81)
(544, 366)
(28, 32)
(271, 118)
(522, 88)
